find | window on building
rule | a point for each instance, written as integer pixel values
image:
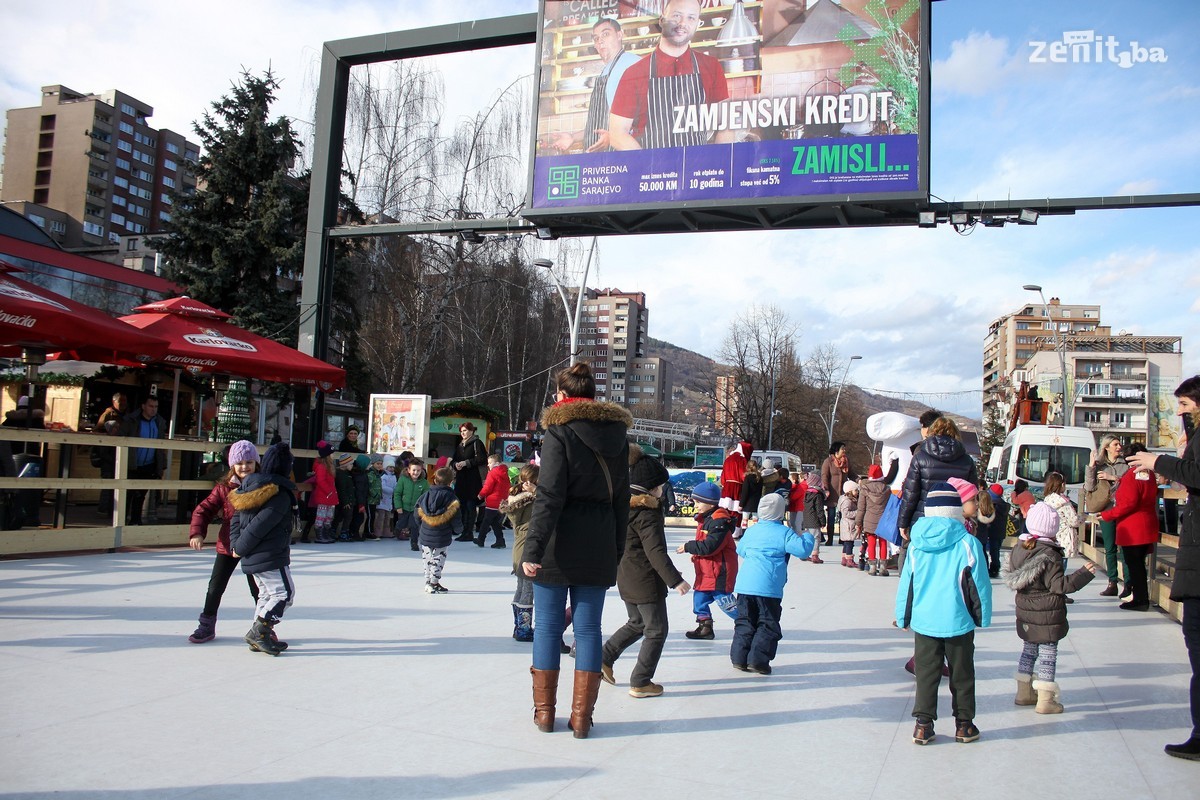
(164, 216)
(36, 219)
(136, 228)
(172, 148)
(126, 127)
(119, 219)
(93, 229)
(1120, 419)
(118, 200)
(169, 164)
(1091, 417)
(168, 182)
(132, 244)
(57, 226)
(165, 199)
(124, 146)
(128, 109)
(124, 184)
(192, 155)
(123, 164)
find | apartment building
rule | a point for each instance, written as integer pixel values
(612, 337)
(726, 404)
(94, 159)
(1118, 383)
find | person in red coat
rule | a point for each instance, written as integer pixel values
(1135, 511)
(496, 488)
(243, 460)
(733, 474)
(714, 554)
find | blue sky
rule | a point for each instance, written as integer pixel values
(914, 303)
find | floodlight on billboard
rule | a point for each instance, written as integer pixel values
(667, 104)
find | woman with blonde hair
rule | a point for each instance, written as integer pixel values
(1106, 465)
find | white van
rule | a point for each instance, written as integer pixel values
(789, 461)
(1030, 452)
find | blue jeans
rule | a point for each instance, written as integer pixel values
(549, 609)
(701, 600)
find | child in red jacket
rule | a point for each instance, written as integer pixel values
(1136, 514)
(324, 495)
(715, 557)
(496, 488)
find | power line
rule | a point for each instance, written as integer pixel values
(552, 367)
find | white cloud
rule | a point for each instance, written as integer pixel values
(977, 65)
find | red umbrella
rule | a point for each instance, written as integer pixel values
(200, 339)
(32, 318)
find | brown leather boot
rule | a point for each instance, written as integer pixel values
(583, 702)
(545, 696)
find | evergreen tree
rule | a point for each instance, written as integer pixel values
(244, 225)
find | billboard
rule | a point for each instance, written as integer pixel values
(398, 422)
(678, 103)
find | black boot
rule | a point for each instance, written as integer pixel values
(1189, 749)
(259, 638)
(704, 630)
(499, 545)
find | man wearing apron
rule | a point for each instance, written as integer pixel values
(643, 110)
(609, 42)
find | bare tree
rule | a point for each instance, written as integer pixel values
(760, 349)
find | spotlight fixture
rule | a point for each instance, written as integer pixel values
(545, 233)
(927, 219)
(470, 236)
(993, 222)
(960, 218)
(1027, 217)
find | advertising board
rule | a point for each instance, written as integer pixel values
(682, 103)
(398, 422)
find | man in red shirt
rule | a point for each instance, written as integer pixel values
(672, 75)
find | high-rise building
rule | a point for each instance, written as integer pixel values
(725, 404)
(95, 159)
(1115, 383)
(612, 337)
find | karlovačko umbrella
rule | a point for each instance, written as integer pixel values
(34, 321)
(201, 339)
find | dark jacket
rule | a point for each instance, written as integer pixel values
(579, 524)
(998, 527)
(261, 530)
(1042, 587)
(345, 487)
(362, 487)
(131, 426)
(814, 511)
(468, 481)
(939, 458)
(752, 492)
(714, 551)
(440, 520)
(1185, 585)
(346, 446)
(646, 570)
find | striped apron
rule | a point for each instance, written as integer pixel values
(597, 117)
(664, 93)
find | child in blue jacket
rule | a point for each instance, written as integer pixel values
(764, 548)
(944, 595)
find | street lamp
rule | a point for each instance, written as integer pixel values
(1068, 413)
(572, 320)
(838, 396)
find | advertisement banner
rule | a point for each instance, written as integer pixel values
(670, 102)
(398, 422)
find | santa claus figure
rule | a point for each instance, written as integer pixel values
(733, 472)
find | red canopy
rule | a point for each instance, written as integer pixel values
(32, 317)
(201, 339)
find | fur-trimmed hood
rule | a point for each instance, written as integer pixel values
(644, 501)
(590, 410)
(516, 502)
(257, 489)
(1025, 568)
(600, 425)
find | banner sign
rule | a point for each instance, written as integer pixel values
(671, 102)
(398, 423)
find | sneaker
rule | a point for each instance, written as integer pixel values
(429, 588)
(606, 674)
(439, 589)
(923, 732)
(741, 667)
(498, 546)
(965, 731)
(763, 669)
(651, 689)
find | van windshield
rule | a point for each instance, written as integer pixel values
(1035, 461)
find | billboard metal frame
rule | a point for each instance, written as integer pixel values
(339, 56)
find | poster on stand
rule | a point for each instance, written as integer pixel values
(398, 422)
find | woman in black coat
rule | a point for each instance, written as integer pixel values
(470, 456)
(1185, 584)
(940, 457)
(576, 537)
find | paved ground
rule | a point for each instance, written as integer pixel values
(387, 692)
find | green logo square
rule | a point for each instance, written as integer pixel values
(564, 183)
